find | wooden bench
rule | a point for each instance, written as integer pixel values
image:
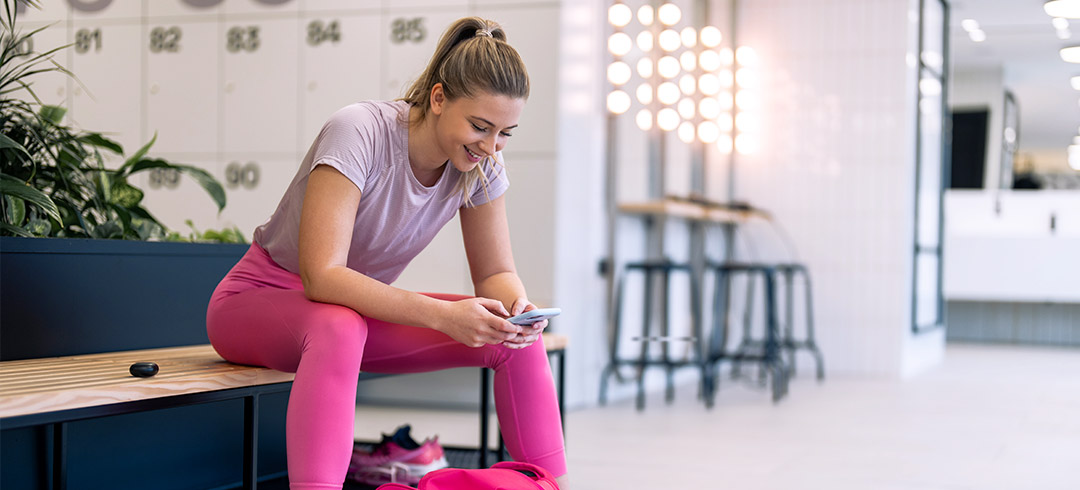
(56, 391)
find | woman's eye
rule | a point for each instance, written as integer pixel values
(504, 133)
(478, 128)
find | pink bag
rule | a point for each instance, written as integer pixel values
(506, 475)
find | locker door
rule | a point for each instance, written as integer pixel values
(254, 186)
(260, 85)
(260, 6)
(181, 89)
(104, 9)
(49, 13)
(174, 8)
(533, 32)
(107, 60)
(409, 39)
(340, 56)
(173, 198)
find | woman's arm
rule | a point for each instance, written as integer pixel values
(491, 261)
(326, 227)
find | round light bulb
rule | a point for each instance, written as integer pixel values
(746, 100)
(710, 36)
(709, 108)
(645, 15)
(709, 84)
(689, 36)
(687, 84)
(708, 132)
(669, 40)
(726, 77)
(618, 101)
(618, 73)
(644, 119)
(619, 44)
(727, 56)
(619, 15)
(725, 123)
(669, 14)
(668, 93)
(745, 77)
(667, 119)
(709, 60)
(746, 56)
(645, 40)
(686, 108)
(727, 102)
(644, 94)
(644, 67)
(687, 132)
(668, 67)
(688, 61)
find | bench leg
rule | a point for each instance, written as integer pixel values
(59, 469)
(251, 441)
(485, 412)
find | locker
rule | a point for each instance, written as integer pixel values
(49, 13)
(260, 85)
(254, 186)
(171, 8)
(172, 198)
(339, 57)
(104, 9)
(181, 89)
(421, 5)
(322, 7)
(409, 39)
(261, 6)
(529, 31)
(105, 58)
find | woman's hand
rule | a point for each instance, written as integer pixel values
(530, 333)
(479, 321)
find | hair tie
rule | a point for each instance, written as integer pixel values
(483, 32)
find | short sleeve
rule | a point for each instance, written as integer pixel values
(497, 183)
(347, 142)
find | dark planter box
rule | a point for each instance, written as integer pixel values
(63, 297)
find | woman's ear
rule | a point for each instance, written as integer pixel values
(438, 98)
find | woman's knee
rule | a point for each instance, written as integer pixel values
(337, 331)
(502, 356)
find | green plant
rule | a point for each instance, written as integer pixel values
(226, 235)
(53, 178)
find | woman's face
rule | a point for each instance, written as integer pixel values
(469, 129)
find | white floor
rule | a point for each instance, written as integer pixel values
(990, 417)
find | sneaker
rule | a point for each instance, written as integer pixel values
(397, 459)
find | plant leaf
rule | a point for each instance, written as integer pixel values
(126, 168)
(52, 113)
(10, 144)
(14, 187)
(96, 139)
(15, 230)
(202, 177)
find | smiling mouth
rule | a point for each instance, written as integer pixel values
(474, 156)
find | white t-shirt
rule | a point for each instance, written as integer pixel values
(397, 217)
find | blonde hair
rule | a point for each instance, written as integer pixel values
(472, 58)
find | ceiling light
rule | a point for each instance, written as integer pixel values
(644, 119)
(1071, 54)
(670, 40)
(1075, 81)
(687, 132)
(708, 132)
(669, 14)
(645, 40)
(686, 108)
(970, 25)
(1069, 9)
(645, 15)
(709, 60)
(618, 73)
(644, 67)
(977, 35)
(668, 93)
(711, 36)
(619, 15)
(618, 102)
(619, 44)
(644, 94)
(1074, 157)
(667, 119)
(668, 67)
(689, 37)
(1060, 23)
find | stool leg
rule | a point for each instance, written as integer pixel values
(645, 329)
(811, 344)
(772, 348)
(745, 342)
(665, 334)
(788, 340)
(612, 369)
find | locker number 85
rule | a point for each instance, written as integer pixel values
(402, 30)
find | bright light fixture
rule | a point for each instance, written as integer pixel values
(644, 119)
(618, 73)
(687, 132)
(644, 94)
(670, 40)
(1074, 157)
(970, 25)
(619, 44)
(1075, 81)
(1060, 23)
(688, 61)
(667, 119)
(645, 40)
(645, 15)
(724, 144)
(669, 14)
(668, 67)
(977, 35)
(708, 132)
(746, 56)
(709, 84)
(1070, 9)
(618, 102)
(689, 36)
(711, 36)
(644, 67)
(619, 15)
(709, 60)
(687, 84)
(668, 93)
(686, 108)
(1071, 54)
(709, 108)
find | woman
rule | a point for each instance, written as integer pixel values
(312, 295)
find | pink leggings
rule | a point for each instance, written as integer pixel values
(259, 316)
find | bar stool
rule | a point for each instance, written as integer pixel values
(766, 351)
(789, 342)
(653, 270)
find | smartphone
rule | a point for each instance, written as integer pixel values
(532, 316)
